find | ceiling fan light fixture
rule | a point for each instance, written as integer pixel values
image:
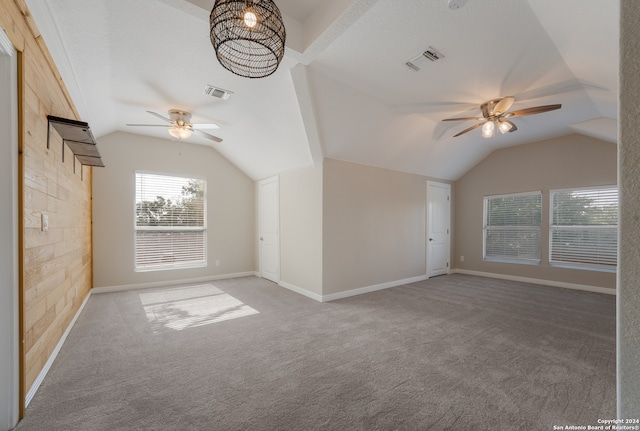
(495, 113)
(504, 127)
(180, 132)
(248, 37)
(488, 129)
(181, 126)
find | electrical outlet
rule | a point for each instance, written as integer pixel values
(44, 222)
(461, 258)
(217, 262)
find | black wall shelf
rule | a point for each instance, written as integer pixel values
(78, 137)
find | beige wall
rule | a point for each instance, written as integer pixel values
(629, 258)
(57, 263)
(230, 208)
(301, 228)
(565, 162)
(374, 226)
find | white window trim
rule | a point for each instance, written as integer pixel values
(520, 261)
(174, 266)
(577, 265)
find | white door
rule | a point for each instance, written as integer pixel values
(9, 362)
(269, 229)
(438, 228)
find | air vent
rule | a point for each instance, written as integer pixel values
(431, 54)
(219, 93)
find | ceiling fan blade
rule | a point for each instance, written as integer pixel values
(160, 116)
(150, 125)
(208, 136)
(468, 129)
(532, 111)
(464, 119)
(205, 126)
(503, 105)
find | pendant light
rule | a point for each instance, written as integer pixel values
(248, 36)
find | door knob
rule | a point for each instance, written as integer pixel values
(430, 239)
(261, 239)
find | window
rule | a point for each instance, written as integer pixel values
(170, 222)
(584, 228)
(512, 227)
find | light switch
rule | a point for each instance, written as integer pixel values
(44, 225)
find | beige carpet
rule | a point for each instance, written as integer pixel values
(450, 353)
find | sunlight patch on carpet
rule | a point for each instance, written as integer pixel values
(191, 306)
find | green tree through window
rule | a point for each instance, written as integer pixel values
(584, 227)
(170, 221)
(512, 227)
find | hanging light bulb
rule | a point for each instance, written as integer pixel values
(180, 132)
(250, 18)
(488, 129)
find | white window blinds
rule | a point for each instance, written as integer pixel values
(512, 227)
(584, 227)
(170, 222)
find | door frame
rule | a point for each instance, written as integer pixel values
(426, 239)
(261, 183)
(11, 369)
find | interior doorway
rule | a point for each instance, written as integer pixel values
(438, 242)
(269, 228)
(9, 304)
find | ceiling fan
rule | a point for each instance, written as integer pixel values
(495, 115)
(180, 126)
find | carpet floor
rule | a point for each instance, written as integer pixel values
(451, 353)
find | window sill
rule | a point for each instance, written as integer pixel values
(521, 262)
(172, 267)
(582, 267)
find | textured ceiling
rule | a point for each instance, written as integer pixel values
(297, 9)
(343, 90)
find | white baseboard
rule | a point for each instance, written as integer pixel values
(109, 289)
(352, 292)
(368, 289)
(36, 384)
(574, 286)
(301, 291)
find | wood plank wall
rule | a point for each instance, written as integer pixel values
(57, 264)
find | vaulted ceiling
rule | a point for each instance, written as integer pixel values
(344, 90)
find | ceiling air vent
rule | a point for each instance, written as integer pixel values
(431, 54)
(220, 93)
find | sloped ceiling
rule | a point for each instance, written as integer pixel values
(343, 90)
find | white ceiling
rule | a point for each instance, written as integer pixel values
(343, 90)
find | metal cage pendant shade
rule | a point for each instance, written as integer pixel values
(248, 36)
